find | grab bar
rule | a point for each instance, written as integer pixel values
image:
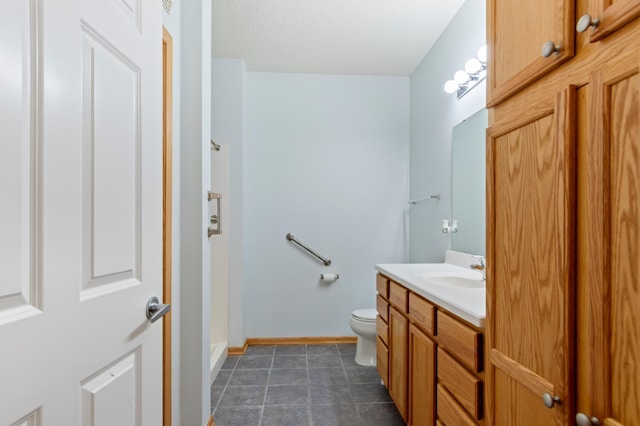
(215, 219)
(324, 260)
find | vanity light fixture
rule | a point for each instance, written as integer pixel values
(475, 70)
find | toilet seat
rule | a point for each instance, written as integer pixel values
(365, 315)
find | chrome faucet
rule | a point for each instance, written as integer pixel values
(482, 267)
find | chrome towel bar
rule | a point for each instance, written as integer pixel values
(435, 196)
(324, 260)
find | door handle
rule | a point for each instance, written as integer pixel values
(156, 310)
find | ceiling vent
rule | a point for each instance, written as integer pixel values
(167, 5)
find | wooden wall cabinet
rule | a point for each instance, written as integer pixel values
(563, 227)
(519, 29)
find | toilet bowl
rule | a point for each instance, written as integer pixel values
(363, 323)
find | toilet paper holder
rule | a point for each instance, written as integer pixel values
(329, 278)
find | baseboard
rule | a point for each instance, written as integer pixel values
(262, 341)
(237, 350)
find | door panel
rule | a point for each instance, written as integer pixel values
(111, 93)
(20, 286)
(81, 169)
(530, 283)
(398, 360)
(422, 378)
(521, 400)
(516, 61)
(612, 277)
(111, 396)
(613, 15)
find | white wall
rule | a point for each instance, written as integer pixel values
(172, 24)
(433, 115)
(227, 122)
(195, 104)
(326, 158)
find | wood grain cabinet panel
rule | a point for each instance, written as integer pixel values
(382, 285)
(382, 361)
(612, 15)
(399, 360)
(464, 386)
(398, 297)
(609, 277)
(382, 329)
(422, 378)
(531, 251)
(461, 340)
(517, 31)
(382, 306)
(450, 412)
(422, 313)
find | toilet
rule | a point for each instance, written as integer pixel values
(363, 323)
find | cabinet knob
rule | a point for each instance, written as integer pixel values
(584, 420)
(549, 48)
(585, 22)
(550, 401)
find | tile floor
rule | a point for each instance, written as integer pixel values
(300, 385)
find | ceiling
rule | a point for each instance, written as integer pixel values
(364, 37)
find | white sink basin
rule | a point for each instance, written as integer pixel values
(471, 280)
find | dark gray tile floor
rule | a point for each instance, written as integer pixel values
(300, 385)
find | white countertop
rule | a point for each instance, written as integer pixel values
(467, 303)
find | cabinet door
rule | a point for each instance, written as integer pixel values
(398, 360)
(609, 229)
(531, 252)
(517, 32)
(612, 15)
(422, 379)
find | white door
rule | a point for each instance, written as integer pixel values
(80, 212)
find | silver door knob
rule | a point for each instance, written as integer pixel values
(550, 401)
(549, 48)
(585, 22)
(156, 310)
(584, 420)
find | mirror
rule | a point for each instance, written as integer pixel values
(468, 184)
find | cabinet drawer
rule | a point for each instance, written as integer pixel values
(382, 329)
(464, 386)
(382, 285)
(450, 412)
(383, 308)
(398, 296)
(422, 313)
(461, 340)
(382, 361)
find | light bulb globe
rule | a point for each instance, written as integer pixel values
(482, 54)
(461, 77)
(472, 66)
(451, 86)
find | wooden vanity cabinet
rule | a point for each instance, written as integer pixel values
(428, 352)
(563, 213)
